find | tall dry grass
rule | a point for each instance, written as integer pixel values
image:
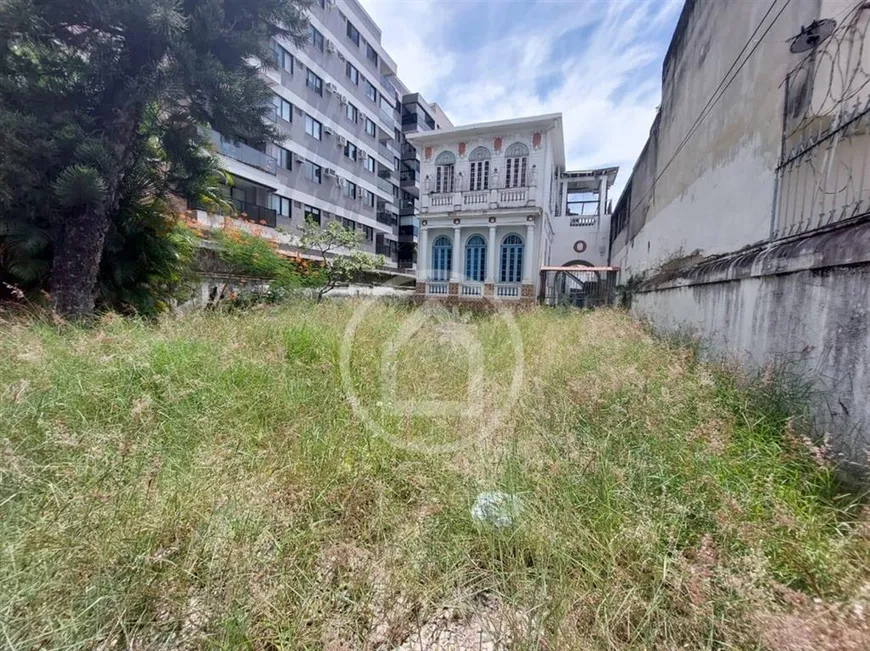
(204, 482)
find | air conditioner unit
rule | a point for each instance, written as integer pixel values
(330, 46)
(342, 99)
(341, 56)
(327, 131)
(342, 182)
(360, 155)
(342, 141)
(330, 4)
(299, 159)
(331, 88)
(329, 171)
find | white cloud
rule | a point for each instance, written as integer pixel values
(594, 83)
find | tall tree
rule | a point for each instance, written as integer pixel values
(87, 86)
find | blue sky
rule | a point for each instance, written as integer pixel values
(598, 62)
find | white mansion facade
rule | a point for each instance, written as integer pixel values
(496, 208)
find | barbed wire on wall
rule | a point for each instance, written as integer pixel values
(822, 175)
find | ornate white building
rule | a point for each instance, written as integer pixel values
(494, 205)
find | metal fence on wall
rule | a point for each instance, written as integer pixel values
(822, 177)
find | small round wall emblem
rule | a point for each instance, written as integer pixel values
(579, 246)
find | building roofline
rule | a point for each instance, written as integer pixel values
(544, 122)
(582, 175)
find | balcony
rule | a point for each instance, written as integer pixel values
(478, 199)
(409, 152)
(244, 154)
(385, 185)
(251, 212)
(385, 217)
(386, 82)
(387, 114)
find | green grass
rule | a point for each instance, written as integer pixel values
(204, 482)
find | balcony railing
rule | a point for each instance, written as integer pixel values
(386, 82)
(473, 198)
(388, 115)
(385, 185)
(507, 291)
(245, 154)
(512, 196)
(256, 214)
(408, 177)
(408, 151)
(437, 289)
(478, 199)
(471, 289)
(385, 217)
(441, 200)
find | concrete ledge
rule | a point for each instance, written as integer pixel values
(845, 244)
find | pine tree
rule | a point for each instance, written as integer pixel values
(90, 88)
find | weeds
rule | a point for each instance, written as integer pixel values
(204, 483)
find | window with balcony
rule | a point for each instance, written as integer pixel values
(351, 112)
(352, 33)
(283, 59)
(285, 158)
(445, 165)
(315, 38)
(511, 269)
(349, 189)
(312, 127)
(313, 172)
(371, 91)
(516, 164)
(283, 108)
(350, 150)
(314, 82)
(442, 258)
(371, 164)
(371, 129)
(371, 54)
(312, 214)
(478, 172)
(475, 258)
(352, 73)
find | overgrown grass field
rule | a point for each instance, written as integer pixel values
(206, 482)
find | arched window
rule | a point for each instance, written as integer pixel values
(475, 258)
(444, 166)
(516, 165)
(511, 259)
(478, 174)
(442, 258)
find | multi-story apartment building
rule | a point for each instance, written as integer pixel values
(418, 116)
(339, 113)
(497, 209)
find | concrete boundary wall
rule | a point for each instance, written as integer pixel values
(805, 300)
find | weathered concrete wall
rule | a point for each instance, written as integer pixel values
(716, 195)
(695, 226)
(807, 301)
